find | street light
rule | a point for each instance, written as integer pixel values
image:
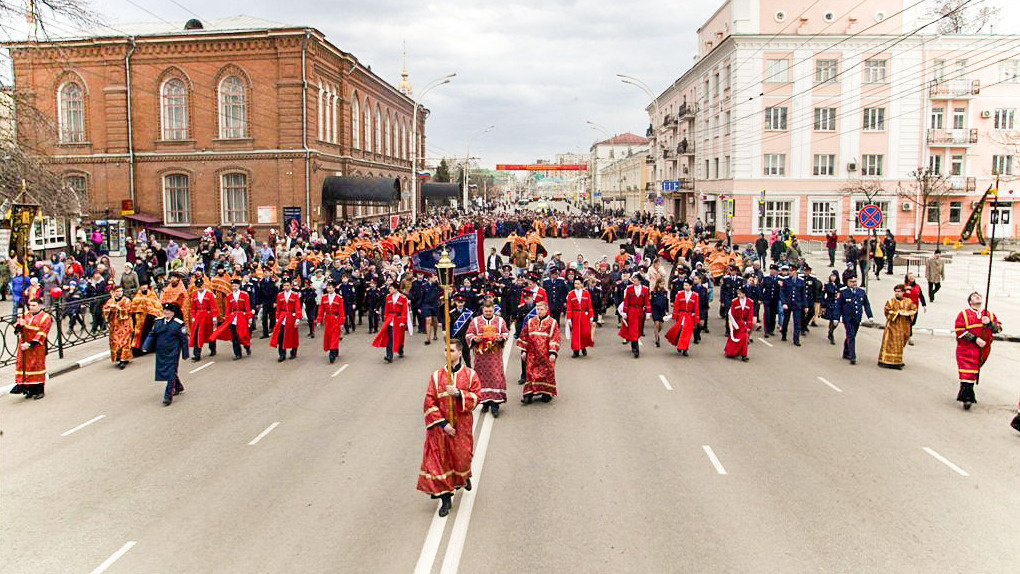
(655, 103)
(467, 165)
(414, 141)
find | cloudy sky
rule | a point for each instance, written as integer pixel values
(536, 69)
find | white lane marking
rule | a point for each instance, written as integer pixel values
(455, 547)
(116, 556)
(83, 425)
(764, 342)
(264, 433)
(834, 387)
(665, 383)
(209, 364)
(715, 460)
(341, 369)
(432, 541)
(945, 461)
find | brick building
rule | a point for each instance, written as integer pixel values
(238, 122)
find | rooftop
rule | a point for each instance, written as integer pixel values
(624, 139)
(239, 23)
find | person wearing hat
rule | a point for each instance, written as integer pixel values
(169, 339)
(117, 312)
(374, 297)
(851, 306)
(686, 314)
(580, 315)
(538, 294)
(204, 316)
(812, 298)
(540, 345)
(236, 321)
(486, 336)
(556, 290)
(176, 292)
(396, 320)
(791, 297)
(460, 318)
(635, 305)
(728, 289)
(288, 315)
(740, 323)
(331, 317)
(145, 309)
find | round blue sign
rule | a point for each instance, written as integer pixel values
(870, 216)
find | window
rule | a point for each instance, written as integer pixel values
(955, 211)
(775, 164)
(1004, 118)
(874, 119)
(717, 86)
(883, 206)
(933, 212)
(935, 164)
(175, 109)
(959, 118)
(939, 71)
(1002, 165)
(726, 78)
(717, 168)
(355, 122)
(706, 170)
(234, 198)
(176, 208)
(778, 215)
(826, 71)
(775, 118)
(79, 184)
(825, 119)
(937, 118)
(729, 119)
(956, 165)
(874, 71)
(233, 108)
(72, 113)
(378, 140)
(777, 71)
(823, 217)
(825, 164)
(368, 126)
(48, 232)
(871, 165)
(388, 149)
(1009, 71)
(729, 166)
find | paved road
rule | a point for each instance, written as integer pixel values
(615, 475)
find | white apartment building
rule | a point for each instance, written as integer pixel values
(606, 183)
(793, 107)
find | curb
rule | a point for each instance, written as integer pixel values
(79, 364)
(945, 332)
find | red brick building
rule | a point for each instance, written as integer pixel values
(235, 122)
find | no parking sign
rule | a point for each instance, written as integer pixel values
(870, 216)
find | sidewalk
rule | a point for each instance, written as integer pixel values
(74, 358)
(965, 273)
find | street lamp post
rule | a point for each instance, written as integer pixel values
(655, 103)
(444, 268)
(467, 166)
(414, 142)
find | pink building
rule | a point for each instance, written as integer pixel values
(792, 108)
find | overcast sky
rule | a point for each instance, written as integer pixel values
(536, 69)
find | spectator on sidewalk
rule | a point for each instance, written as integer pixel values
(889, 246)
(129, 279)
(934, 271)
(831, 242)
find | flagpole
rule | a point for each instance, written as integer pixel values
(991, 245)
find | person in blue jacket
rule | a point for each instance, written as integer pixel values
(853, 305)
(169, 338)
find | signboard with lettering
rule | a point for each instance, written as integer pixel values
(291, 220)
(266, 214)
(542, 167)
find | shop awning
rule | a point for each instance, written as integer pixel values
(441, 191)
(144, 218)
(348, 190)
(177, 233)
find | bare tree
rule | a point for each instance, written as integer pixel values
(929, 190)
(958, 17)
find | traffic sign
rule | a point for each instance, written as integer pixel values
(659, 200)
(870, 216)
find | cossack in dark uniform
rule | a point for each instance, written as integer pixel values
(169, 339)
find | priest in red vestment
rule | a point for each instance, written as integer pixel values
(204, 315)
(32, 328)
(580, 315)
(741, 321)
(449, 423)
(396, 318)
(486, 337)
(237, 307)
(636, 304)
(540, 345)
(685, 314)
(331, 317)
(288, 314)
(975, 328)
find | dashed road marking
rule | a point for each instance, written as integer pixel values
(665, 383)
(341, 369)
(113, 558)
(945, 461)
(714, 459)
(209, 364)
(834, 387)
(83, 425)
(264, 433)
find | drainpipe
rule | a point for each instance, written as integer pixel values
(130, 131)
(304, 127)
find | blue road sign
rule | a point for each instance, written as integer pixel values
(870, 216)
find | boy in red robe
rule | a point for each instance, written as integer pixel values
(580, 315)
(540, 345)
(686, 309)
(331, 317)
(396, 318)
(741, 322)
(288, 315)
(636, 303)
(204, 315)
(975, 328)
(449, 423)
(237, 307)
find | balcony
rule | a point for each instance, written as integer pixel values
(687, 183)
(962, 183)
(650, 132)
(953, 138)
(956, 88)
(685, 148)
(669, 121)
(686, 111)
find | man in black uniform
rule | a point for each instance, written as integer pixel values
(267, 295)
(556, 290)
(770, 288)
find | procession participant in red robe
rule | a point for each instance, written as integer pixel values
(204, 316)
(32, 328)
(449, 423)
(580, 315)
(636, 303)
(236, 321)
(486, 337)
(145, 309)
(288, 314)
(538, 293)
(331, 317)
(176, 292)
(685, 314)
(974, 330)
(540, 345)
(396, 318)
(741, 322)
(117, 311)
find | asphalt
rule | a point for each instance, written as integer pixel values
(613, 475)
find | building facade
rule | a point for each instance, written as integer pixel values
(606, 170)
(797, 114)
(239, 123)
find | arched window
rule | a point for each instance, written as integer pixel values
(399, 132)
(174, 100)
(176, 200)
(234, 198)
(389, 137)
(368, 126)
(355, 122)
(407, 141)
(233, 108)
(378, 130)
(72, 113)
(322, 111)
